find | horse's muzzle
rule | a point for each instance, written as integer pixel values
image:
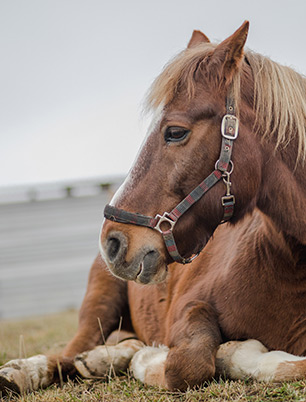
(146, 266)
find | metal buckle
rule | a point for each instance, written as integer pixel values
(190, 259)
(162, 219)
(228, 199)
(225, 120)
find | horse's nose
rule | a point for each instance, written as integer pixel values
(116, 246)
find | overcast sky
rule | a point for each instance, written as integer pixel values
(73, 73)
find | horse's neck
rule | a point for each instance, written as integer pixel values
(270, 245)
(283, 196)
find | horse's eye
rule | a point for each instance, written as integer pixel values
(175, 134)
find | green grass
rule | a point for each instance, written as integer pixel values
(38, 335)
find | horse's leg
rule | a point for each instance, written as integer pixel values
(193, 341)
(107, 359)
(235, 360)
(105, 301)
(251, 359)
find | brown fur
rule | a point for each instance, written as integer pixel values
(290, 371)
(250, 279)
(156, 376)
(278, 96)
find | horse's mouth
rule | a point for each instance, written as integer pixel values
(140, 271)
(152, 269)
(158, 278)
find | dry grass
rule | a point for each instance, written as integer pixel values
(43, 333)
(28, 337)
(127, 389)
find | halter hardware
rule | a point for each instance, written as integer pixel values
(223, 169)
(230, 127)
(161, 219)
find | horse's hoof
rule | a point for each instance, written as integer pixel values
(148, 365)
(7, 384)
(107, 360)
(24, 375)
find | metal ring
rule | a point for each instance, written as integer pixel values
(232, 167)
(230, 163)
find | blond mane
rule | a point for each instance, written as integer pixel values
(279, 93)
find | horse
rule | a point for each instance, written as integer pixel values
(202, 249)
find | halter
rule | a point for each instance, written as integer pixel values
(223, 169)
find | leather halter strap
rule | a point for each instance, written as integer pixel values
(223, 169)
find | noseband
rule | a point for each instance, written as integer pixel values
(223, 168)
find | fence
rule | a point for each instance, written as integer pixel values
(48, 246)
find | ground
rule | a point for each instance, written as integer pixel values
(40, 334)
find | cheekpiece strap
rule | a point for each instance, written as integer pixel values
(229, 132)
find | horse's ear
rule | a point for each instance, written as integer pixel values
(197, 38)
(229, 53)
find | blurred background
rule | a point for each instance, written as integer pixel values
(73, 74)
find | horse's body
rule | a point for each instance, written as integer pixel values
(249, 282)
(254, 300)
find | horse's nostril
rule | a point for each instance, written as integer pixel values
(113, 247)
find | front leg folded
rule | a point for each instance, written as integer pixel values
(148, 365)
(105, 302)
(251, 359)
(107, 360)
(26, 375)
(193, 340)
(234, 359)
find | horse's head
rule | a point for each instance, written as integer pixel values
(181, 150)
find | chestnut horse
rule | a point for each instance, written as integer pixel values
(227, 145)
